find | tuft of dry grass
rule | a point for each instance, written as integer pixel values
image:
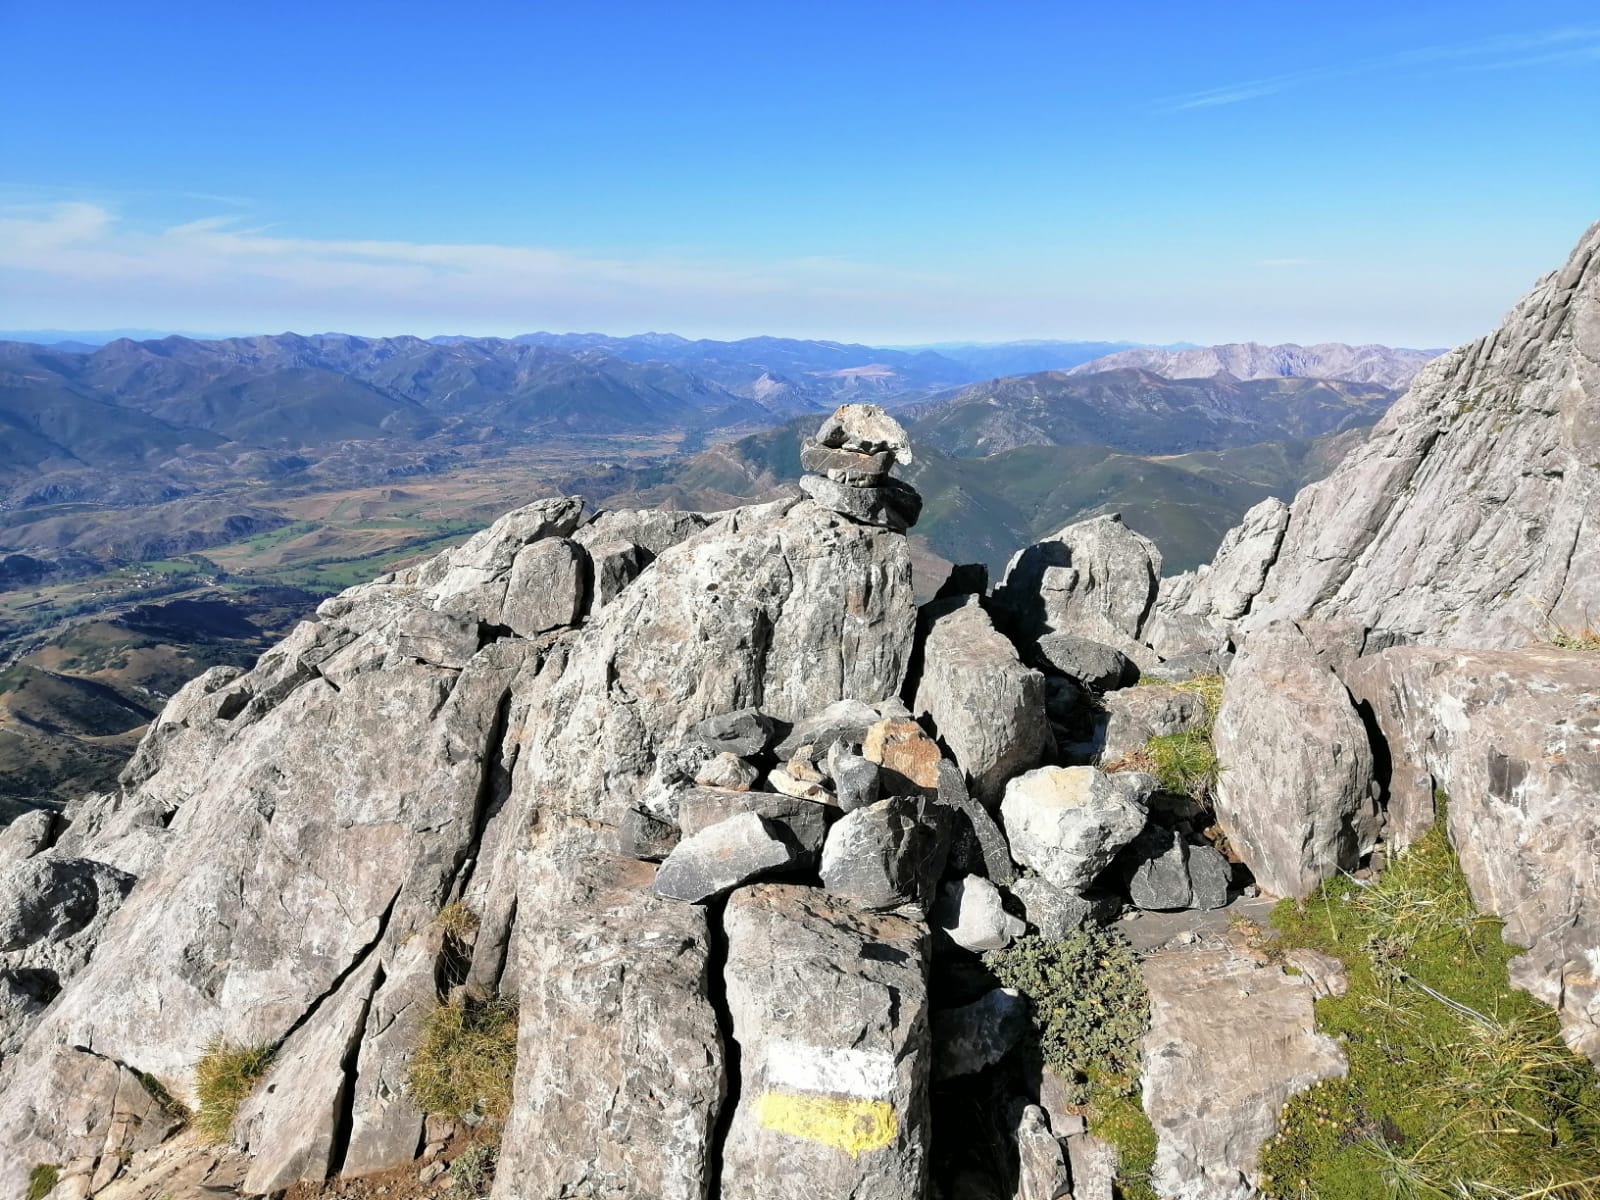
(226, 1073)
(465, 1060)
(458, 921)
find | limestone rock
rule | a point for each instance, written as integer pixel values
(1513, 738)
(1090, 663)
(646, 836)
(722, 856)
(842, 721)
(970, 913)
(1229, 1042)
(1165, 873)
(1135, 715)
(977, 847)
(548, 588)
(849, 467)
(864, 429)
(974, 1037)
(891, 505)
(886, 854)
(27, 835)
(653, 530)
(830, 1011)
(1096, 579)
(781, 607)
(1041, 1165)
(780, 780)
(1094, 1167)
(1068, 823)
(1468, 517)
(1294, 792)
(618, 1046)
(804, 821)
(987, 706)
(1056, 913)
(746, 732)
(727, 770)
(1224, 590)
(909, 757)
(855, 777)
(613, 566)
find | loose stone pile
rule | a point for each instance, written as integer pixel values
(848, 464)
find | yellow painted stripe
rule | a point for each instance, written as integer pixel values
(854, 1126)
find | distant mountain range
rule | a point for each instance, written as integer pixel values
(1383, 365)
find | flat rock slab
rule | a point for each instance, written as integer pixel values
(1230, 1041)
(830, 1011)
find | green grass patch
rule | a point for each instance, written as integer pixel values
(1460, 1087)
(466, 1058)
(1090, 1014)
(226, 1073)
(42, 1180)
(1586, 639)
(1185, 763)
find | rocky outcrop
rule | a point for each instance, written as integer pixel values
(1096, 579)
(1217, 1071)
(1294, 789)
(1512, 737)
(830, 1013)
(986, 706)
(1135, 715)
(1469, 517)
(1068, 823)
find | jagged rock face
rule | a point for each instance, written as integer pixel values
(1513, 738)
(987, 707)
(1096, 579)
(1294, 791)
(1471, 516)
(830, 1011)
(1217, 1072)
(786, 607)
(1193, 606)
(291, 845)
(620, 1065)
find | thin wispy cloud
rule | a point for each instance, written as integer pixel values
(1572, 44)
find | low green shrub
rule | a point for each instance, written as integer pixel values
(466, 1057)
(1460, 1087)
(472, 1171)
(1090, 1013)
(42, 1180)
(226, 1073)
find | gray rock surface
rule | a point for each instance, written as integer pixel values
(1091, 663)
(1230, 1041)
(728, 771)
(842, 721)
(720, 857)
(1513, 738)
(1068, 823)
(1042, 1172)
(1224, 590)
(1137, 714)
(987, 707)
(890, 505)
(830, 1012)
(974, 1037)
(612, 567)
(970, 912)
(548, 588)
(745, 732)
(618, 1042)
(855, 778)
(1054, 912)
(1165, 873)
(1294, 791)
(1096, 579)
(849, 467)
(886, 854)
(864, 429)
(1469, 517)
(654, 530)
(27, 835)
(801, 823)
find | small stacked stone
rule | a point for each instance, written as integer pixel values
(849, 461)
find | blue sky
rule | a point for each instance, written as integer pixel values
(873, 170)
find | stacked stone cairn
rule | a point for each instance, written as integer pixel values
(848, 464)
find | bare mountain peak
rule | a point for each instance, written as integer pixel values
(1386, 365)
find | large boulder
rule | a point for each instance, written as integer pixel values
(830, 1013)
(620, 1064)
(1513, 738)
(1068, 823)
(986, 706)
(1230, 1041)
(1135, 715)
(1096, 579)
(886, 854)
(1294, 790)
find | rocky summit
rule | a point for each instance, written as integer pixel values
(684, 856)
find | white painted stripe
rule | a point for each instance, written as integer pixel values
(802, 1068)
